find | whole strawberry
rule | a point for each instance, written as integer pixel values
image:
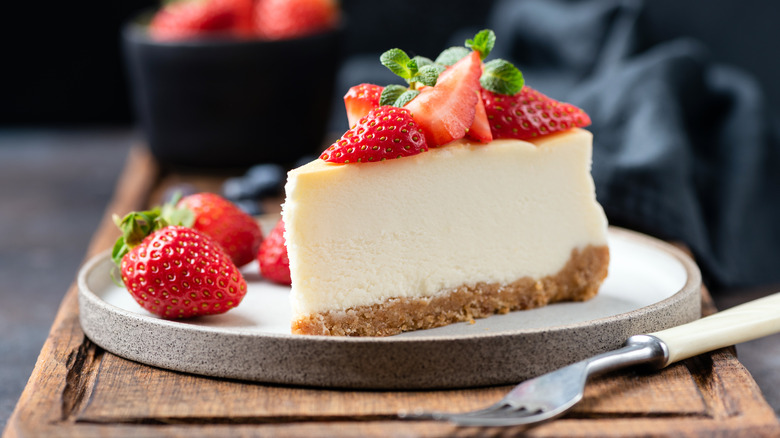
(237, 232)
(530, 114)
(175, 271)
(384, 133)
(272, 256)
(283, 19)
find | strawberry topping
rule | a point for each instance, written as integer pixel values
(480, 129)
(384, 133)
(446, 110)
(361, 99)
(530, 114)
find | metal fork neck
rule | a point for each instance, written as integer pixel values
(639, 349)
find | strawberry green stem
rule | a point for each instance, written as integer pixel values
(137, 225)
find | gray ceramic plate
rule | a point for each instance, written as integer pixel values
(651, 286)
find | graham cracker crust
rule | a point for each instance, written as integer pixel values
(578, 280)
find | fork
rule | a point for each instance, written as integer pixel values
(551, 395)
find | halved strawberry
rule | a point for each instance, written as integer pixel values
(446, 110)
(530, 114)
(480, 129)
(361, 99)
(384, 133)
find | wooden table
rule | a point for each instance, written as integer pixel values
(79, 390)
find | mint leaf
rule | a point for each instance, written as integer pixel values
(501, 77)
(405, 98)
(429, 74)
(398, 62)
(422, 61)
(483, 42)
(451, 56)
(391, 93)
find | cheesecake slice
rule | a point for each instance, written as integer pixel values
(461, 231)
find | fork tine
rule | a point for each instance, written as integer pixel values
(500, 408)
(514, 420)
(494, 408)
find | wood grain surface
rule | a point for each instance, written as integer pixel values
(79, 390)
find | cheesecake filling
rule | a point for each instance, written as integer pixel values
(463, 217)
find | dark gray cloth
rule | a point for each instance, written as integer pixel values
(684, 149)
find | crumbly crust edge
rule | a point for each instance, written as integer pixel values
(578, 280)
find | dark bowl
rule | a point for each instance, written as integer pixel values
(228, 102)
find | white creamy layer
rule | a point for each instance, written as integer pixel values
(464, 213)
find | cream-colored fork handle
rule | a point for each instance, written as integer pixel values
(745, 322)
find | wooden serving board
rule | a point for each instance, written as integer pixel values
(79, 390)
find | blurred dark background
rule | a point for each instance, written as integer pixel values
(67, 69)
(66, 125)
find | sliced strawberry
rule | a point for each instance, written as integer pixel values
(384, 133)
(447, 110)
(361, 99)
(480, 129)
(272, 256)
(530, 114)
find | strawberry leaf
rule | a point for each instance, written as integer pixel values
(452, 55)
(391, 93)
(483, 43)
(136, 225)
(501, 77)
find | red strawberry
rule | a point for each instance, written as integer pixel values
(193, 18)
(237, 232)
(282, 19)
(446, 110)
(177, 272)
(386, 132)
(530, 114)
(272, 256)
(480, 129)
(361, 99)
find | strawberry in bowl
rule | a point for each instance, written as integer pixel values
(204, 94)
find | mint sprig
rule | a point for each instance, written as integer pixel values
(483, 43)
(500, 76)
(452, 55)
(391, 93)
(399, 63)
(417, 70)
(405, 98)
